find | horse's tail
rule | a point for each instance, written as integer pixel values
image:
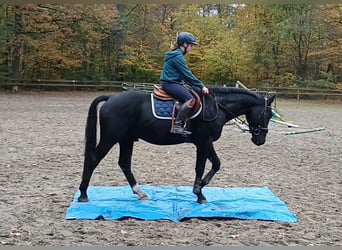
(91, 127)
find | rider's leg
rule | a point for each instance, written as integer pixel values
(182, 115)
(183, 95)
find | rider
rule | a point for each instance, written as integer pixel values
(175, 73)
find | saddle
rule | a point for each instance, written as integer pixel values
(165, 106)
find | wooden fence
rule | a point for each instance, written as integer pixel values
(301, 93)
(118, 86)
(16, 85)
(298, 93)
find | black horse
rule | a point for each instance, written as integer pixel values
(126, 117)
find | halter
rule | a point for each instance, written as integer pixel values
(254, 131)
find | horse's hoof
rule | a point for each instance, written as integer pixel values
(144, 198)
(83, 199)
(203, 201)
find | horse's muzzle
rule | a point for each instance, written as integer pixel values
(258, 135)
(258, 140)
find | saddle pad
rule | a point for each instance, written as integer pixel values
(162, 109)
(179, 203)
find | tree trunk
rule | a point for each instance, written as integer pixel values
(17, 44)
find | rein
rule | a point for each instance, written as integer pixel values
(230, 112)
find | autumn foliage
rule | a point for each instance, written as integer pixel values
(264, 45)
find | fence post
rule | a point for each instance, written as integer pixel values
(297, 94)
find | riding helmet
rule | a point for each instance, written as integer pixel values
(186, 37)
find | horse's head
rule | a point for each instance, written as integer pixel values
(258, 118)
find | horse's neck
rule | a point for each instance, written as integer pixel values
(239, 103)
(237, 109)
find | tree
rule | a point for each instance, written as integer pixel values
(6, 34)
(207, 29)
(258, 44)
(327, 55)
(302, 31)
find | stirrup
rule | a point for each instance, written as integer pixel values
(178, 129)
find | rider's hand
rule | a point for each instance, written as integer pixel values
(205, 90)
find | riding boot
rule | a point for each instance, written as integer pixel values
(182, 114)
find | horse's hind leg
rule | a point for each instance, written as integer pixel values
(90, 163)
(125, 163)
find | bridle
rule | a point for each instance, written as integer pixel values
(259, 129)
(255, 131)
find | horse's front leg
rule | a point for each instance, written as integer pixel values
(216, 163)
(201, 158)
(207, 152)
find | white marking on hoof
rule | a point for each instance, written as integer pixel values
(136, 190)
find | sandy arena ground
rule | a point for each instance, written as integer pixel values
(41, 163)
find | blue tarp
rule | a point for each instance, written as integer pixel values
(179, 203)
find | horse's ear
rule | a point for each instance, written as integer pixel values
(270, 99)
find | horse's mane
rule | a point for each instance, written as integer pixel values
(233, 90)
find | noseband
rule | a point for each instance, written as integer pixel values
(257, 131)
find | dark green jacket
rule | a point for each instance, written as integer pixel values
(176, 70)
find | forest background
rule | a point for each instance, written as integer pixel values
(262, 45)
